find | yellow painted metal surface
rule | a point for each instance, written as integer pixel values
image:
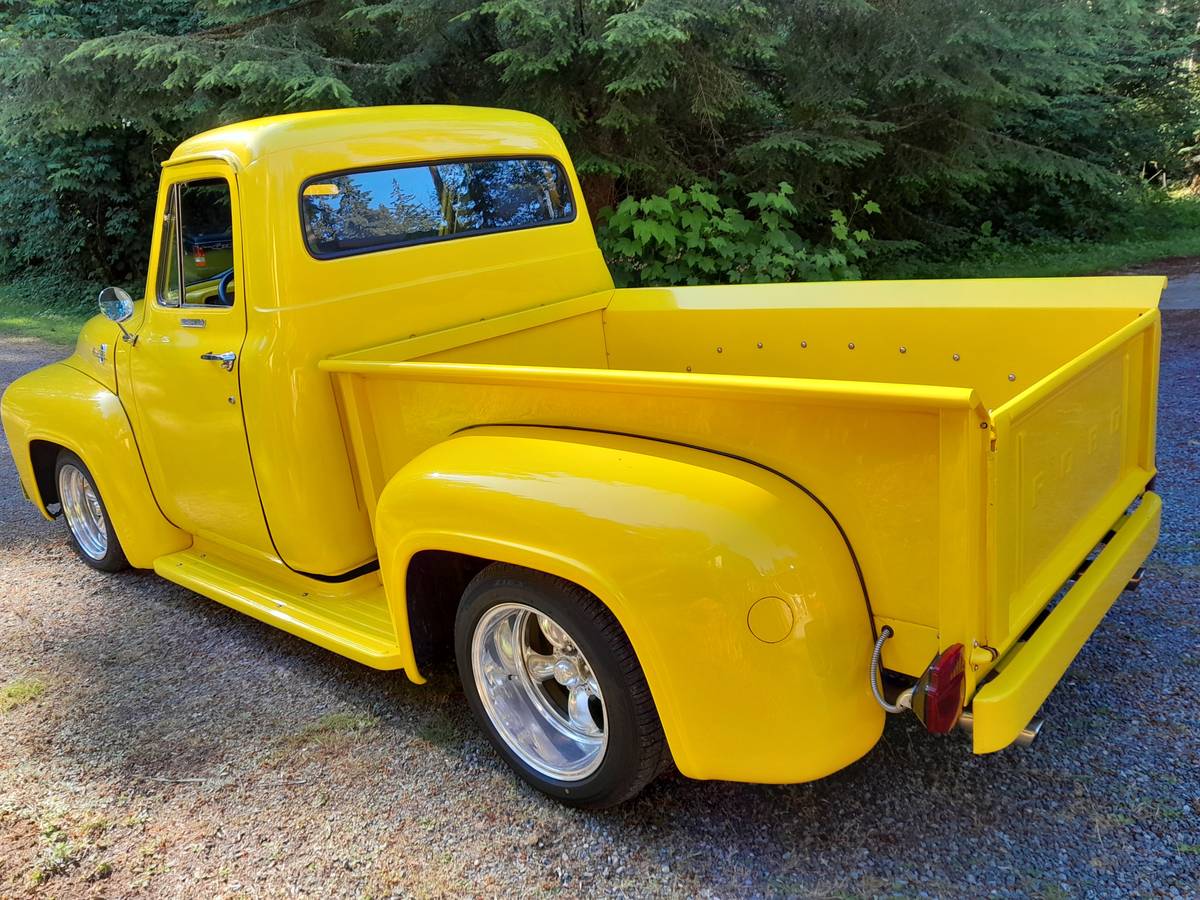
(974, 439)
(826, 435)
(995, 336)
(680, 544)
(302, 309)
(188, 410)
(771, 619)
(1006, 704)
(1071, 454)
(62, 406)
(351, 618)
(96, 351)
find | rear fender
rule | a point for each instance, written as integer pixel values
(61, 405)
(681, 544)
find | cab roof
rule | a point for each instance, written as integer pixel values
(398, 133)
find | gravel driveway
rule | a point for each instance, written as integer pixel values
(154, 742)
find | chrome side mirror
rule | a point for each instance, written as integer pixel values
(117, 305)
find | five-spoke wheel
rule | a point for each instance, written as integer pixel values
(539, 691)
(556, 686)
(88, 524)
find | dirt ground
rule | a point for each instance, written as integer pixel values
(154, 743)
(1183, 280)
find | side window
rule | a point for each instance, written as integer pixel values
(197, 246)
(378, 209)
(168, 261)
(206, 238)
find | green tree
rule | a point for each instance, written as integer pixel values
(1041, 116)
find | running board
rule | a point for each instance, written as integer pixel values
(353, 622)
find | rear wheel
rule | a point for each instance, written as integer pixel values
(556, 686)
(88, 523)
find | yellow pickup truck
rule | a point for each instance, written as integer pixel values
(380, 391)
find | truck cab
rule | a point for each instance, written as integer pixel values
(380, 391)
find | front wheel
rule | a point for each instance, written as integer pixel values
(88, 523)
(555, 684)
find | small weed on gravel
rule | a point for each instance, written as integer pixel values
(93, 828)
(334, 729)
(57, 856)
(20, 691)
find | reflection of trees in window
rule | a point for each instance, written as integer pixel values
(446, 194)
(206, 214)
(461, 198)
(206, 206)
(354, 215)
(499, 194)
(320, 224)
(412, 217)
(357, 218)
(550, 186)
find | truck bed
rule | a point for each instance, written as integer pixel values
(976, 438)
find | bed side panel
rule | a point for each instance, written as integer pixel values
(879, 465)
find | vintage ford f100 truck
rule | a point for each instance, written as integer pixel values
(380, 391)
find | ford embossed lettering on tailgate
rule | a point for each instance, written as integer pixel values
(1071, 455)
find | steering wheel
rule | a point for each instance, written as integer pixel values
(223, 281)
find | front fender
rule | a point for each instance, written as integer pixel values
(63, 406)
(681, 544)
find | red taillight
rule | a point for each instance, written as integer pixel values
(938, 697)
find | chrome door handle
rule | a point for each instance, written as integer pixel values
(225, 359)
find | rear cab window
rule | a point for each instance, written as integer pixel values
(383, 208)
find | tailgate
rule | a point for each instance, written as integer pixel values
(1070, 455)
(1028, 673)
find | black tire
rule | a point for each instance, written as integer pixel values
(113, 559)
(636, 751)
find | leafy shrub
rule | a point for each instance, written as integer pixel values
(692, 236)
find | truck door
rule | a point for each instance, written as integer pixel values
(185, 365)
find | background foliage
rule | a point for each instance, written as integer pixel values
(1017, 120)
(690, 236)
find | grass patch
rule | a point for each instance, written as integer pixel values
(19, 692)
(333, 729)
(1152, 231)
(45, 308)
(440, 730)
(95, 827)
(28, 321)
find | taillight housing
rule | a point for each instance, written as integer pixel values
(938, 697)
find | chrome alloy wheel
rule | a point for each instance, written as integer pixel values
(539, 691)
(85, 516)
